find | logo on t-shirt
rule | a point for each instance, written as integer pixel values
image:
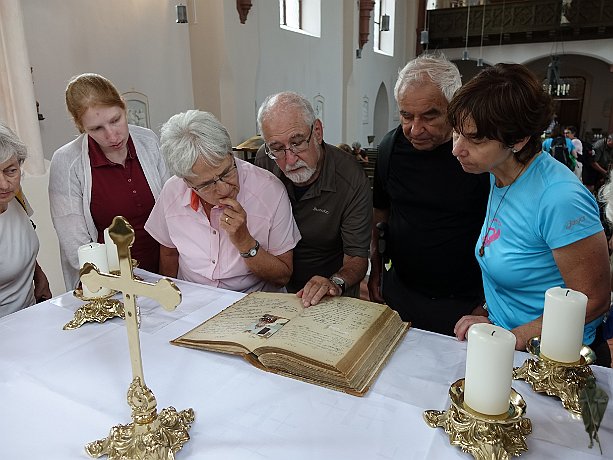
(571, 223)
(493, 233)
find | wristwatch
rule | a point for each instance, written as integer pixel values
(340, 282)
(251, 252)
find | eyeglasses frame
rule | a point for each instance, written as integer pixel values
(291, 148)
(208, 185)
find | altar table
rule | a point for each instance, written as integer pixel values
(60, 390)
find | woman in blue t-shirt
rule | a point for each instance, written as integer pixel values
(542, 226)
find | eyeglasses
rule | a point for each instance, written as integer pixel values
(567, 132)
(294, 147)
(227, 175)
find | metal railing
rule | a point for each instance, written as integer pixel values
(520, 22)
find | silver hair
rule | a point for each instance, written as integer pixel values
(11, 145)
(356, 145)
(606, 196)
(189, 135)
(282, 103)
(433, 66)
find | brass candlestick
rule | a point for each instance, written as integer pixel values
(157, 436)
(485, 437)
(563, 380)
(150, 436)
(97, 309)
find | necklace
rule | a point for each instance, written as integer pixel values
(487, 227)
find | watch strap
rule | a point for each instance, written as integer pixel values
(251, 252)
(340, 282)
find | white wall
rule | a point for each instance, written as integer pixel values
(237, 65)
(135, 43)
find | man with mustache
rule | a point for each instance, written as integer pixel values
(330, 196)
(433, 210)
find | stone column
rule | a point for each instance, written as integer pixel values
(17, 101)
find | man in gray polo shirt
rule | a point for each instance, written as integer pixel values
(330, 195)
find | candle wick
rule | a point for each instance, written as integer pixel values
(567, 291)
(493, 333)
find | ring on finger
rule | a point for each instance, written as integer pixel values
(227, 219)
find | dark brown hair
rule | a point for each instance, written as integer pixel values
(507, 103)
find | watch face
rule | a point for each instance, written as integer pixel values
(253, 252)
(338, 281)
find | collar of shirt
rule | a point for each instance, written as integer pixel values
(97, 158)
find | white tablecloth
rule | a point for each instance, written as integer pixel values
(61, 389)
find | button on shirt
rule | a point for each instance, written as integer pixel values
(122, 190)
(206, 254)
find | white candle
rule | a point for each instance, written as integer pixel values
(563, 323)
(111, 251)
(489, 369)
(94, 253)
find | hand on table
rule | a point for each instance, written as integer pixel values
(316, 289)
(461, 328)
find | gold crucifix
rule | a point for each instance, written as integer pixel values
(171, 425)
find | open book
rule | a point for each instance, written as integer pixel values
(341, 343)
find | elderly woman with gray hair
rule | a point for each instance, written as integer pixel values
(22, 281)
(220, 221)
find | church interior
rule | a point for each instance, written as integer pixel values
(227, 56)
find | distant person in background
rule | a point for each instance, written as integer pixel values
(22, 281)
(571, 133)
(359, 153)
(606, 197)
(554, 121)
(561, 148)
(111, 169)
(603, 158)
(589, 175)
(345, 148)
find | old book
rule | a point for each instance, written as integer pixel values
(341, 343)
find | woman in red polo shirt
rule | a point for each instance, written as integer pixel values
(111, 169)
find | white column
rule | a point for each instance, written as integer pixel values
(17, 101)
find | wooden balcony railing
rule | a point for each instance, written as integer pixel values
(521, 22)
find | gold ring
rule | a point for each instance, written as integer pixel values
(227, 219)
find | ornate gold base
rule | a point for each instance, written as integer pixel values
(150, 436)
(99, 310)
(484, 437)
(563, 380)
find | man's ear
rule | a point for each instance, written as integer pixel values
(318, 130)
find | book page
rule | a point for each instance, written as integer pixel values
(250, 322)
(327, 331)
(323, 333)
